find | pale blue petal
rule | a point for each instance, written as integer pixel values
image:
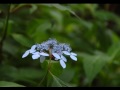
(35, 56)
(62, 63)
(73, 57)
(33, 47)
(56, 55)
(66, 52)
(36, 53)
(63, 58)
(44, 54)
(42, 59)
(26, 54)
(74, 54)
(32, 50)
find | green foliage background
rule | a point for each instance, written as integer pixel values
(92, 30)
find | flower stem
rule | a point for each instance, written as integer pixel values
(49, 66)
(46, 75)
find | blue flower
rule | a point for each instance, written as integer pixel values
(51, 47)
(32, 50)
(41, 55)
(72, 55)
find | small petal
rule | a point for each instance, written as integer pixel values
(26, 54)
(74, 54)
(33, 47)
(36, 53)
(56, 55)
(35, 56)
(44, 54)
(63, 58)
(42, 59)
(62, 63)
(73, 58)
(32, 50)
(66, 52)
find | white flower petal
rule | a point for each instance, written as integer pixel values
(73, 58)
(66, 52)
(62, 63)
(32, 50)
(33, 47)
(56, 55)
(63, 58)
(42, 59)
(36, 53)
(26, 54)
(35, 56)
(44, 54)
(73, 54)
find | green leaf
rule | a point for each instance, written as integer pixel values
(9, 47)
(9, 84)
(28, 75)
(67, 75)
(39, 29)
(58, 82)
(22, 40)
(114, 51)
(56, 70)
(23, 74)
(93, 64)
(33, 8)
(105, 15)
(60, 7)
(55, 67)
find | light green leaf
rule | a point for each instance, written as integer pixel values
(22, 40)
(33, 8)
(60, 7)
(114, 50)
(9, 84)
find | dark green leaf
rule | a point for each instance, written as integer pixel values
(58, 82)
(93, 64)
(55, 67)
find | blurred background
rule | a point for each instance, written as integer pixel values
(92, 30)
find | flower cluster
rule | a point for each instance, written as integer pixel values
(53, 49)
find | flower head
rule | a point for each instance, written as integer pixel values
(51, 48)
